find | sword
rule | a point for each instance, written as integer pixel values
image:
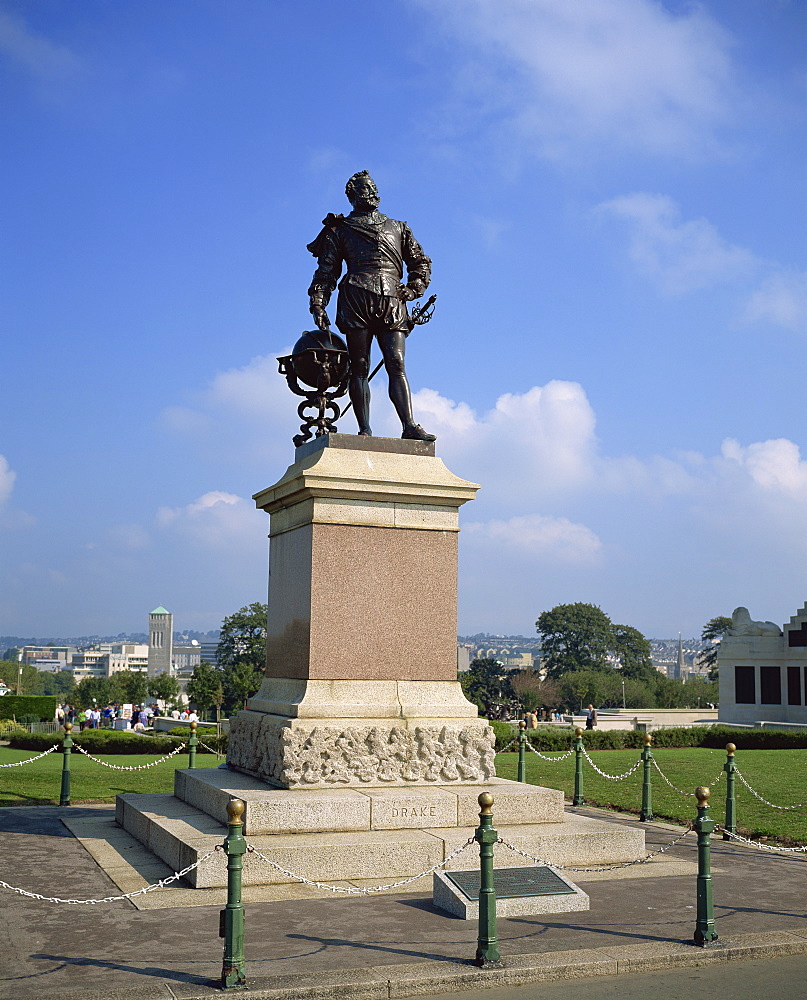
(420, 316)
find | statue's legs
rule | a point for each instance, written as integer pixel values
(393, 349)
(358, 347)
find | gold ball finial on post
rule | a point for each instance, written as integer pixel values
(730, 749)
(578, 732)
(702, 795)
(68, 726)
(235, 810)
(485, 801)
(522, 724)
(194, 724)
(648, 739)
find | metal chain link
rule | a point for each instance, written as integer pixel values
(756, 843)
(675, 787)
(134, 767)
(607, 868)
(30, 760)
(503, 749)
(757, 795)
(218, 753)
(550, 759)
(611, 777)
(355, 889)
(109, 899)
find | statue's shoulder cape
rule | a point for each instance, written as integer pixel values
(330, 224)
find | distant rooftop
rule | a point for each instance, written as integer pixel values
(160, 611)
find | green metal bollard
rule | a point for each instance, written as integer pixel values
(487, 945)
(647, 784)
(705, 932)
(522, 739)
(731, 807)
(231, 923)
(578, 768)
(193, 743)
(67, 747)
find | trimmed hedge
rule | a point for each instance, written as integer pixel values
(112, 741)
(714, 737)
(43, 706)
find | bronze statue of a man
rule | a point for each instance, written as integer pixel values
(372, 298)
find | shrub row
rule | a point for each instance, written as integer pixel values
(714, 737)
(112, 741)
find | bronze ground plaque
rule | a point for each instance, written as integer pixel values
(510, 883)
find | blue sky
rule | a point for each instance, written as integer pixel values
(612, 192)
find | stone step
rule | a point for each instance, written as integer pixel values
(179, 834)
(309, 810)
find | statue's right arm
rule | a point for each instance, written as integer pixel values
(329, 267)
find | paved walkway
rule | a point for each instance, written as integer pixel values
(379, 946)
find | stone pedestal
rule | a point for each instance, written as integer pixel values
(361, 674)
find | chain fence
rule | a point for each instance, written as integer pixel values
(758, 844)
(605, 868)
(505, 749)
(218, 753)
(30, 760)
(757, 795)
(133, 767)
(110, 899)
(551, 760)
(681, 790)
(353, 889)
(611, 777)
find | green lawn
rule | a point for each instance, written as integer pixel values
(778, 775)
(39, 783)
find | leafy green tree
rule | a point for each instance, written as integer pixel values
(61, 683)
(164, 687)
(534, 692)
(243, 638)
(240, 681)
(487, 683)
(574, 637)
(712, 632)
(633, 652)
(96, 690)
(28, 678)
(205, 687)
(132, 685)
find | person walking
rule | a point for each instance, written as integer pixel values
(591, 717)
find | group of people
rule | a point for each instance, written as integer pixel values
(531, 718)
(140, 718)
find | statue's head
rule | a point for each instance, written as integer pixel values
(362, 192)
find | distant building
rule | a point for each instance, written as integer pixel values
(49, 658)
(208, 649)
(107, 658)
(161, 639)
(763, 671)
(185, 658)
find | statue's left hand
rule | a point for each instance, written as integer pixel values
(406, 294)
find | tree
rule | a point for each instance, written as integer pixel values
(712, 632)
(243, 637)
(633, 651)
(61, 683)
(132, 686)
(533, 692)
(205, 687)
(487, 683)
(240, 682)
(163, 687)
(574, 637)
(96, 690)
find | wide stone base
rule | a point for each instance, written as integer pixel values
(358, 837)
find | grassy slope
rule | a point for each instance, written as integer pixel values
(39, 783)
(778, 775)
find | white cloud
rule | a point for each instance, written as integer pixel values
(781, 299)
(677, 255)
(215, 520)
(775, 466)
(7, 478)
(631, 72)
(37, 55)
(539, 536)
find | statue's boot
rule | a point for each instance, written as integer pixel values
(414, 432)
(360, 398)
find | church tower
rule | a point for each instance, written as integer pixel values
(161, 633)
